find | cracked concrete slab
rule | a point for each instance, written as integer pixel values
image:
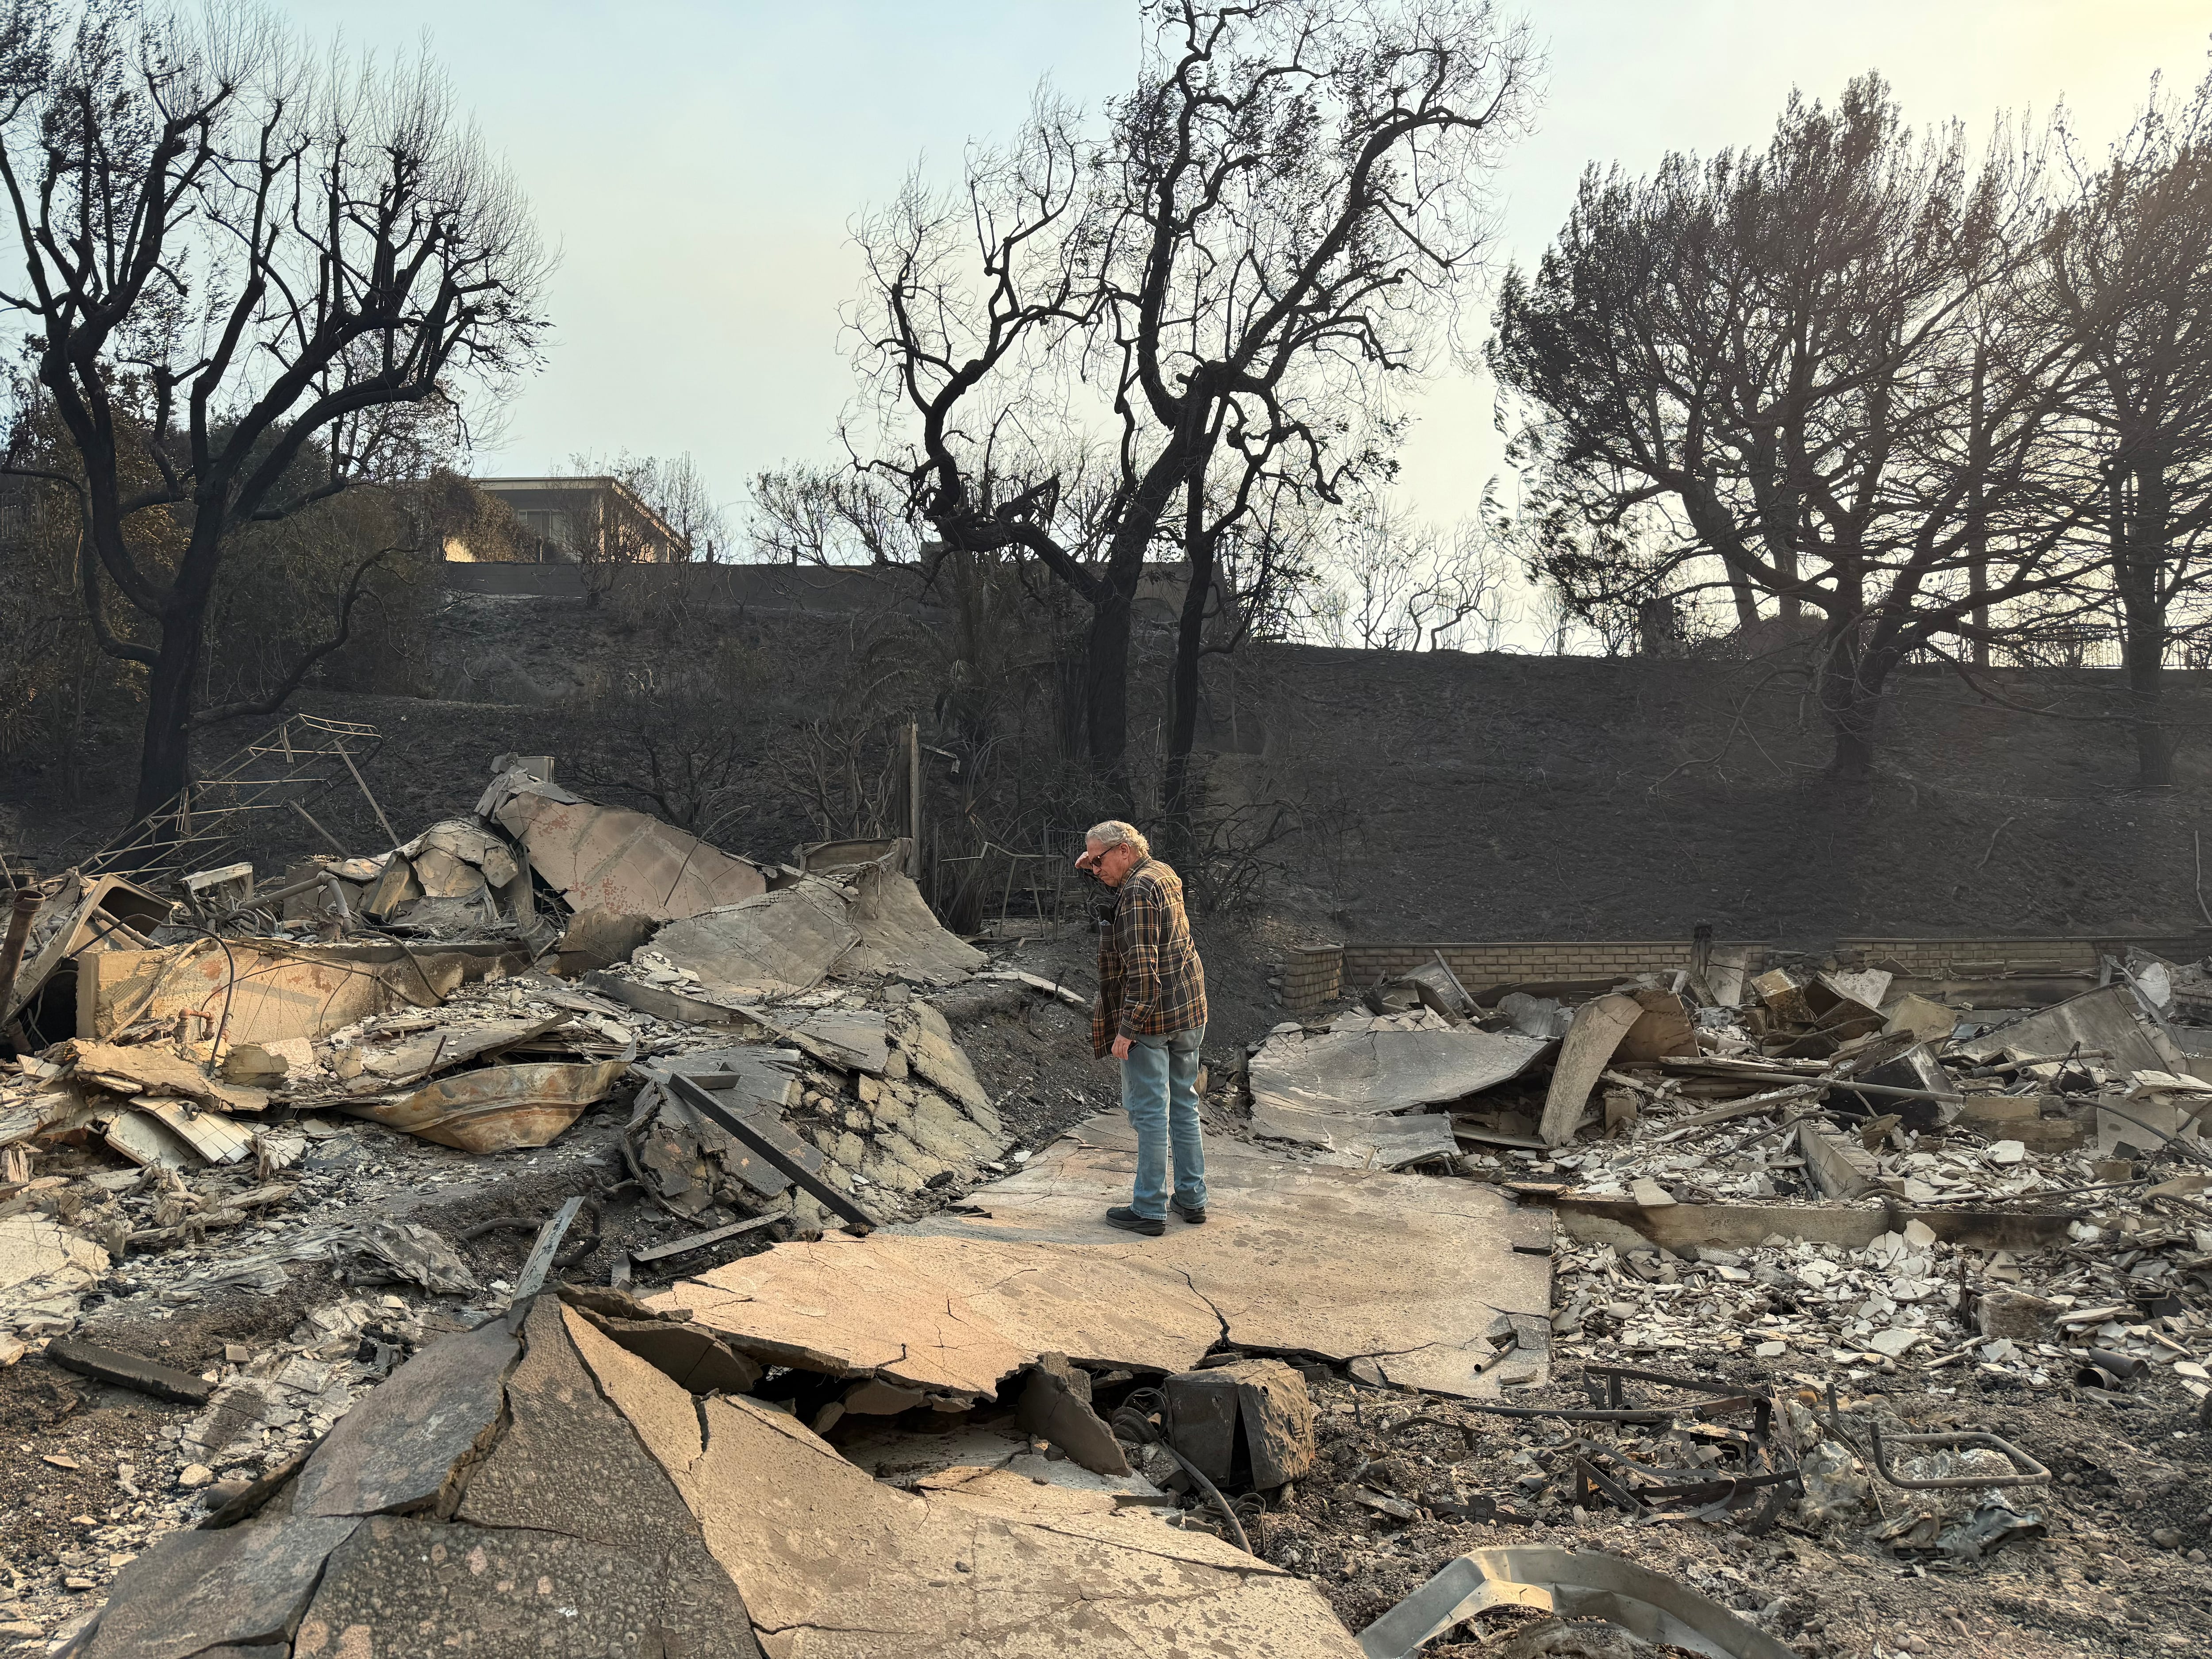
(570, 1463)
(949, 1315)
(402, 1446)
(834, 1565)
(401, 1584)
(240, 1587)
(1301, 1258)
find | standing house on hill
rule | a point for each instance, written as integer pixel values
(578, 521)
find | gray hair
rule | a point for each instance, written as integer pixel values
(1114, 832)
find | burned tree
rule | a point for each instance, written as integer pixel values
(1269, 228)
(1806, 366)
(248, 284)
(2127, 282)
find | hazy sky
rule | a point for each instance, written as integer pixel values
(698, 165)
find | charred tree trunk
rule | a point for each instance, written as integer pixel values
(165, 755)
(1190, 646)
(2136, 522)
(1850, 677)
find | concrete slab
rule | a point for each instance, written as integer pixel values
(948, 1315)
(241, 1586)
(570, 1463)
(399, 1448)
(1297, 1258)
(836, 1565)
(401, 1584)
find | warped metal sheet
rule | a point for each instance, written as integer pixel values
(1377, 1140)
(899, 933)
(606, 858)
(498, 1108)
(780, 942)
(1340, 1089)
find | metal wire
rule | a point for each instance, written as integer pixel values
(1133, 1422)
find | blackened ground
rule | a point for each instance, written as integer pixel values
(2100, 1583)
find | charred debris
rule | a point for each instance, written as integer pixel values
(1579, 1285)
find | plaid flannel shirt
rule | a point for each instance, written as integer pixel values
(1151, 982)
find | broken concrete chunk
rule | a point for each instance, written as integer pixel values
(402, 1445)
(837, 1564)
(1055, 1406)
(690, 1356)
(1843, 1169)
(197, 1591)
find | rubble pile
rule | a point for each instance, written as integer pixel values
(1520, 1312)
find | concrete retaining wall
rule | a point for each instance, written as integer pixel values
(1316, 975)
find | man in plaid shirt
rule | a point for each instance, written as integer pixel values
(1150, 1016)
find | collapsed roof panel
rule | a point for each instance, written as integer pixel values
(608, 858)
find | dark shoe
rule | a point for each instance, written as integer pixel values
(1196, 1218)
(1129, 1221)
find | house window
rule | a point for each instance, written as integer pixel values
(551, 525)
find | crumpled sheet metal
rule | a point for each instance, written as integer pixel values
(899, 933)
(778, 943)
(498, 1108)
(1573, 1583)
(1359, 1073)
(1334, 1089)
(610, 859)
(2108, 1019)
(274, 990)
(386, 1250)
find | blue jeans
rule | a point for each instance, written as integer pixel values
(1159, 1092)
